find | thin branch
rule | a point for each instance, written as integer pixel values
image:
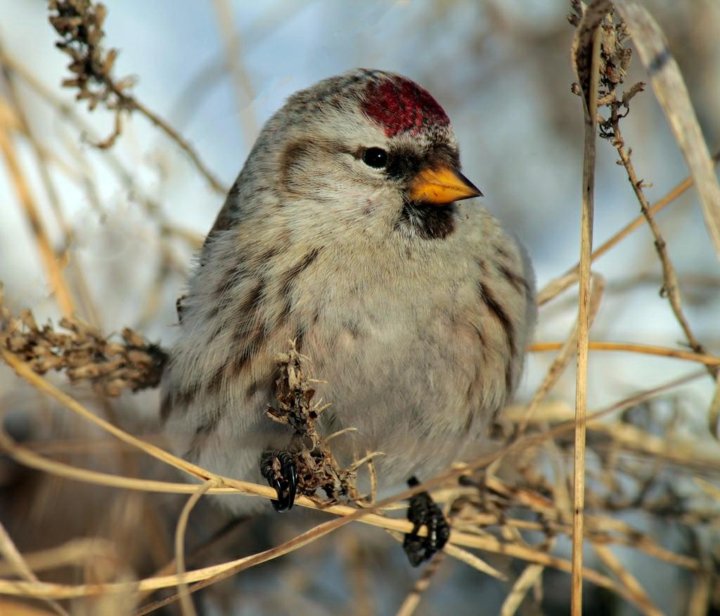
(671, 287)
(48, 257)
(644, 349)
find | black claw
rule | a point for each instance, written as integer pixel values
(278, 468)
(423, 511)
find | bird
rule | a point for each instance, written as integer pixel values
(347, 231)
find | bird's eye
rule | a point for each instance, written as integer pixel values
(375, 157)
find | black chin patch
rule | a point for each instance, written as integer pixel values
(429, 222)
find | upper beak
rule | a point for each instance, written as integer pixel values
(441, 185)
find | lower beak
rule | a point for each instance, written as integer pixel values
(441, 185)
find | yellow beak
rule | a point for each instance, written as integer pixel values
(441, 185)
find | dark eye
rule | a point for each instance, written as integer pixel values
(375, 157)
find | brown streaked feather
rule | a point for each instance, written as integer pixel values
(214, 383)
(288, 278)
(179, 307)
(182, 398)
(499, 313)
(290, 275)
(231, 278)
(166, 407)
(225, 220)
(201, 435)
(515, 280)
(508, 377)
(252, 342)
(251, 301)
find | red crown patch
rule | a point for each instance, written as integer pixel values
(400, 105)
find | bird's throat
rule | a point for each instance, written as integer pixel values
(427, 221)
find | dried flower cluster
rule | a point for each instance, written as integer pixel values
(79, 23)
(615, 59)
(83, 353)
(317, 468)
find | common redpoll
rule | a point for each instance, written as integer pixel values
(343, 232)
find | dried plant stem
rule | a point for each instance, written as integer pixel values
(560, 363)
(553, 288)
(206, 576)
(19, 567)
(714, 410)
(80, 27)
(216, 573)
(671, 92)
(614, 564)
(186, 604)
(53, 270)
(234, 63)
(78, 552)
(530, 576)
(43, 158)
(671, 288)
(675, 192)
(590, 100)
(183, 143)
(411, 602)
(644, 349)
(124, 175)
(23, 370)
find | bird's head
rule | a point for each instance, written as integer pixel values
(369, 151)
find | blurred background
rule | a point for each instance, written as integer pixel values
(126, 221)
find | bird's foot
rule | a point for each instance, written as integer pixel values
(278, 468)
(423, 511)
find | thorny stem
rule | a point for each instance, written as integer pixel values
(670, 288)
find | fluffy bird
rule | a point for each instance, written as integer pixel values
(343, 232)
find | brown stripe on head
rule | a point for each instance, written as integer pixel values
(304, 156)
(292, 156)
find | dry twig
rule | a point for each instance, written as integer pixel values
(79, 24)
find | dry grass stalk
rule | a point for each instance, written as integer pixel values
(586, 55)
(210, 575)
(525, 582)
(411, 602)
(244, 93)
(670, 90)
(53, 268)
